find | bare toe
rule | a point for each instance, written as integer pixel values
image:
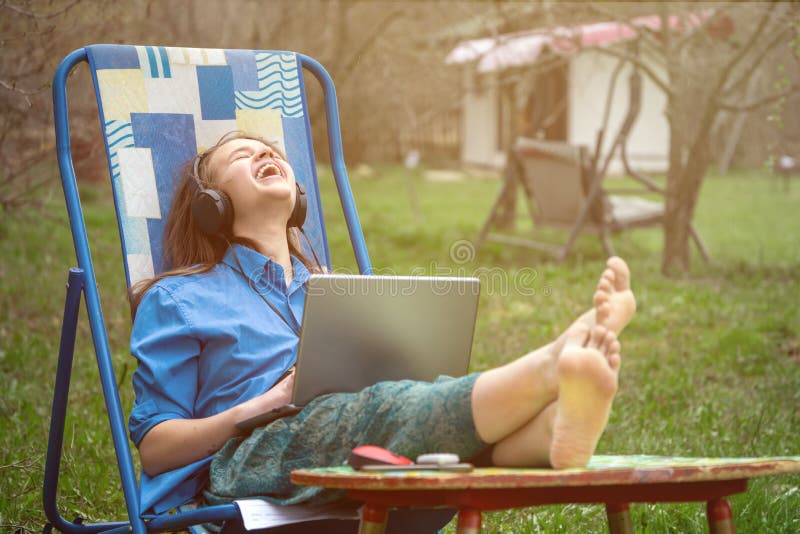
(613, 289)
(603, 313)
(608, 341)
(614, 361)
(596, 338)
(605, 286)
(622, 275)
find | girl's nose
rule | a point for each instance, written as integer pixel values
(265, 153)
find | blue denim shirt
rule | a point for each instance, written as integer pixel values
(205, 343)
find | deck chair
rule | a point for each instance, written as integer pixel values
(158, 107)
(564, 189)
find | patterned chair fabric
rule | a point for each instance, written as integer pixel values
(160, 106)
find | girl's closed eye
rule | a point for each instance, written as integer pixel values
(240, 154)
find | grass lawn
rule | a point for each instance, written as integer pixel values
(711, 363)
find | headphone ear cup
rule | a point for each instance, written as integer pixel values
(212, 212)
(298, 216)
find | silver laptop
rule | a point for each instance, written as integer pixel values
(359, 330)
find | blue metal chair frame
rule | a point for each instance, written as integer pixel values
(82, 280)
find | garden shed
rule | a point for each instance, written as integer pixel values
(560, 77)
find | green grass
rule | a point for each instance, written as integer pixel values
(711, 363)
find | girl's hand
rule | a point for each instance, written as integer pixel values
(283, 389)
(277, 395)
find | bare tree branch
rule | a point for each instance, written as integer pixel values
(12, 86)
(647, 36)
(780, 38)
(612, 51)
(750, 106)
(34, 15)
(379, 28)
(27, 35)
(664, 86)
(745, 49)
(692, 31)
(35, 68)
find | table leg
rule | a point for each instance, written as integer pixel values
(720, 517)
(619, 518)
(469, 521)
(373, 519)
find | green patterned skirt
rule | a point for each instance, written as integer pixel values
(408, 418)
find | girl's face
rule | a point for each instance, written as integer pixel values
(259, 182)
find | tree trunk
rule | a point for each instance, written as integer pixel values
(676, 227)
(683, 189)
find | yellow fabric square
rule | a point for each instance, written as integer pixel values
(122, 92)
(264, 122)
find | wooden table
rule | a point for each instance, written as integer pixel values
(614, 481)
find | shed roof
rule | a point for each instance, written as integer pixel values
(524, 48)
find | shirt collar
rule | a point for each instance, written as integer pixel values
(255, 266)
(301, 274)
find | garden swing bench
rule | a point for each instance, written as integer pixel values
(563, 186)
(158, 107)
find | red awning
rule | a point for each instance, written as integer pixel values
(524, 48)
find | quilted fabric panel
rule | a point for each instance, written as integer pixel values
(161, 105)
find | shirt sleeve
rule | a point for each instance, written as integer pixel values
(165, 381)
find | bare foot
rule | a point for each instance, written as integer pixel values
(614, 306)
(587, 383)
(613, 300)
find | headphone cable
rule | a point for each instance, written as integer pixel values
(250, 283)
(311, 246)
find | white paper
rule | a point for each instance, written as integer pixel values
(257, 513)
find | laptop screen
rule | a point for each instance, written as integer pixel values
(359, 330)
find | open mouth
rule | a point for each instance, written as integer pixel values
(269, 170)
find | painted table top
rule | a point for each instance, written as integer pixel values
(602, 470)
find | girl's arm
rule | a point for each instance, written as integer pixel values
(178, 442)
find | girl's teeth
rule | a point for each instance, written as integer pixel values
(268, 170)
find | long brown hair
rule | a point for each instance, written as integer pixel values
(187, 250)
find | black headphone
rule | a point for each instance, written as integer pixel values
(212, 210)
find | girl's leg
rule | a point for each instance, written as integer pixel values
(507, 398)
(565, 433)
(528, 446)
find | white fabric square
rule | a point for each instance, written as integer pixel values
(178, 94)
(140, 267)
(195, 56)
(139, 183)
(215, 56)
(177, 56)
(207, 133)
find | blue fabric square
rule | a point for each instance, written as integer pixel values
(113, 56)
(171, 140)
(243, 67)
(216, 92)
